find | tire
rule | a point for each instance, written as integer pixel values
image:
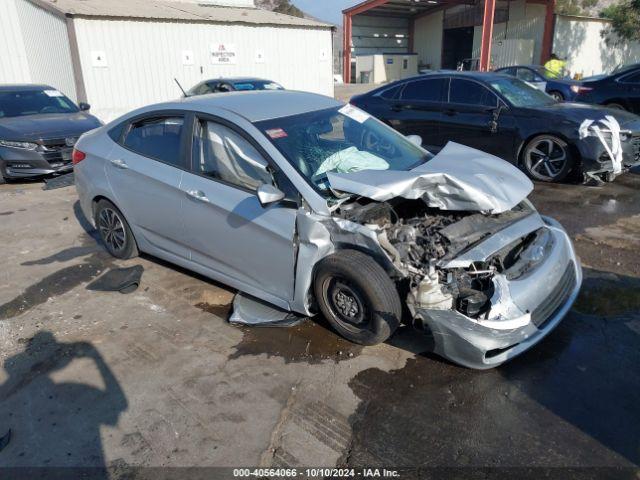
(2, 180)
(547, 158)
(357, 297)
(557, 95)
(114, 231)
(615, 106)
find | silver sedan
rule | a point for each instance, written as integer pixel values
(312, 206)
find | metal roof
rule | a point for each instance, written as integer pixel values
(172, 10)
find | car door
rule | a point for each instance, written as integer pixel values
(631, 85)
(417, 110)
(532, 78)
(145, 172)
(469, 115)
(229, 233)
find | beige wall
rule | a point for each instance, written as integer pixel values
(579, 40)
(427, 41)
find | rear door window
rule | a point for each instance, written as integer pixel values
(527, 75)
(158, 138)
(426, 90)
(633, 78)
(467, 92)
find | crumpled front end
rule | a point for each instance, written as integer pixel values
(533, 284)
(608, 150)
(487, 287)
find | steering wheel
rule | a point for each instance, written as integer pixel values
(372, 142)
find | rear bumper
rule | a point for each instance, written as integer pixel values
(533, 307)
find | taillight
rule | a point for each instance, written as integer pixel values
(77, 156)
(579, 89)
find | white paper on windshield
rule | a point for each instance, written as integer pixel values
(53, 93)
(354, 113)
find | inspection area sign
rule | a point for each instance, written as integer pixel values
(223, 53)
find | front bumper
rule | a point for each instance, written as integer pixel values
(596, 161)
(16, 164)
(531, 306)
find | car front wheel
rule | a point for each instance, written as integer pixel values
(557, 96)
(114, 231)
(547, 158)
(357, 297)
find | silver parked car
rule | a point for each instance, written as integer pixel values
(314, 206)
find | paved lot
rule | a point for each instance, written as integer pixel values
(159, 378)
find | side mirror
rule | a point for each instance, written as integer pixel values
(84, 106)
(415, 139)
(268, 194)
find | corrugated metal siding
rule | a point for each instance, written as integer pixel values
(144, 57)
(47, 47)
(13, 58)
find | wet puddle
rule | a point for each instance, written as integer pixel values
(608, 295)
(310, 342)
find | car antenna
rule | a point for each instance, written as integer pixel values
(185, 93)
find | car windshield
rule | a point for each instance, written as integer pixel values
(521, 94)
(340, 140)
(20, 103)
(257, 85)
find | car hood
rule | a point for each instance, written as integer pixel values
(579, 112)
(46, 126)
(457, 178)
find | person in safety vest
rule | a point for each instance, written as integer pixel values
(555, 66)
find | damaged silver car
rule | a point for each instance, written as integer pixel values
(312, 206)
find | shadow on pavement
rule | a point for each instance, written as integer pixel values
(56, 424)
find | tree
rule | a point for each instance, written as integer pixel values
(625, 18)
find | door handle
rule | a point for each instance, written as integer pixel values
(399, 108)
(116, 162)
(449, 112)
(198, 195)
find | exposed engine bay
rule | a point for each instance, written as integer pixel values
(420, 241)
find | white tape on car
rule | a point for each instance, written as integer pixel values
(614, 149)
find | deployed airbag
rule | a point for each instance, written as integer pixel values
(352, 160)
(458, 178)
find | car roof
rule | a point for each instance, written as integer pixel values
(482, 76)
(257, 105)
(23, 87)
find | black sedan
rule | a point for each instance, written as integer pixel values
(38, 128)
(619, 90)
(508, 118)
(223, 85)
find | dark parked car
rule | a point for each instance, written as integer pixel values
(620, 89)
(508, 118)
(38, 129)
(559, 88)
(223, 85)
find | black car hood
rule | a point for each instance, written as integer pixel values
(579, 112)
(46, 126)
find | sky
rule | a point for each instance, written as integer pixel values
(328, 10)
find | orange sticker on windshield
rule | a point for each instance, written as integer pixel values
(276, 133)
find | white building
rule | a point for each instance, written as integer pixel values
(121, 54)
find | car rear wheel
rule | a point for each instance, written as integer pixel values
(114, 231)
(547, 158)
(357, 297)
(557, 95)
(2, 180)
